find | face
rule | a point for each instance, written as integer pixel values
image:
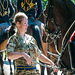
(24, 25)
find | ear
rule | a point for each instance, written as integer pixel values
(18, 24)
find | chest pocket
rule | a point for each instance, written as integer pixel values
(22, 46)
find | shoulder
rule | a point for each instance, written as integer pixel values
(29, 36)
(13, 37)
(31, 39)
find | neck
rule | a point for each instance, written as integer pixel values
(22, 34)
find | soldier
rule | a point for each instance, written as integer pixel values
(33, 9)
(4, 17)
(22, 46)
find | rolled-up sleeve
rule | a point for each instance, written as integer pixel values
(35, 51)
(11, 45)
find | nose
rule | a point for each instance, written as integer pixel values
(27, 24)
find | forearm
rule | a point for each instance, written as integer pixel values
(46, 60)
(15, 55)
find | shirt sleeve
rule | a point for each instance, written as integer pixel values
(35, 51)
(11, 45)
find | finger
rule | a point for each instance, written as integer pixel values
(54, 70)
(28, 63)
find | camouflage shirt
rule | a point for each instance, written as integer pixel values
(28, 45)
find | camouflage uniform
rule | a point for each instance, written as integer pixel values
(29, 46)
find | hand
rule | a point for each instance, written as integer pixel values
(55, 70)
(28, 58)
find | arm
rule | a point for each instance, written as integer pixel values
(16, 55)
(46, 60)
(12, 54)
(37, 53)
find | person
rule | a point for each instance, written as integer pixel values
(33, 9)
(23, 48)
(4, 17)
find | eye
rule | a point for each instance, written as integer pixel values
(25, 23)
